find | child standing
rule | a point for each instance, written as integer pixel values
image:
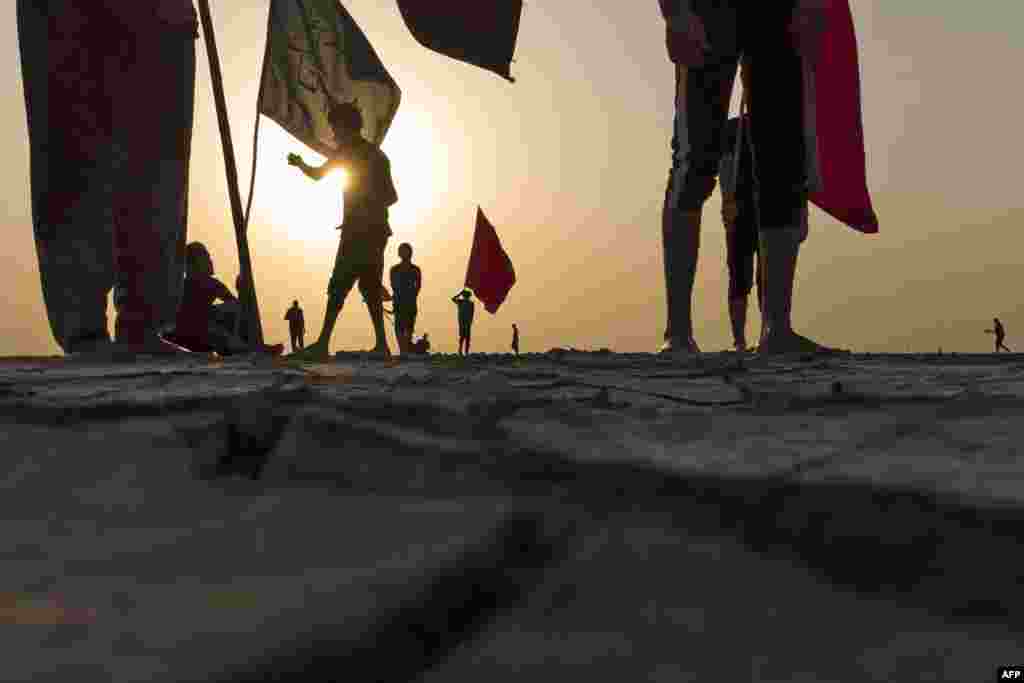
(464, 301)
(406, 280)
(365, 231)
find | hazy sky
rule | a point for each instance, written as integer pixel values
(570, 164)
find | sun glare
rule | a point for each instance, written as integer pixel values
(339, 177)
(302, 209)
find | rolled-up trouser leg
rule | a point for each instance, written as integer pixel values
(702, 101)
(154, 134)
(776, 80)
(63, 72)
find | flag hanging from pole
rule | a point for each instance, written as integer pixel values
(833, 127)
(316, 55)
(482, 33)
(490, 273)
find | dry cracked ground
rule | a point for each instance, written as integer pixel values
(553, 516)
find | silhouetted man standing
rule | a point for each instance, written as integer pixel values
(109, 90)
(406, 280)
(296, 326)
(705, 39)
(464, 301)
(1000, 332)
(515, 339)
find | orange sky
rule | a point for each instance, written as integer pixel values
(570, 164)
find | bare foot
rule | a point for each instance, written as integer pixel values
(791, 342)
(680, 347)
(314, 353)
(380, 353)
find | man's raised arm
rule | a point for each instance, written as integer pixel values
(314, 172)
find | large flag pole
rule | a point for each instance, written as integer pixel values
(247, 293)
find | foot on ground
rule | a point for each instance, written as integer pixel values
(680, 347)
(314, 353)
(149, 345)
(379, 353)
(791, 342)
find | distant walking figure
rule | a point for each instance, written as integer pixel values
(515, 339)
(464, 301)
(365, 231)
(1000, 332)
(296, 326)
(109, 160)
(406, 280)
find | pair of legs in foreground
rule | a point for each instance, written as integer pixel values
(776, 97)
(109, 170)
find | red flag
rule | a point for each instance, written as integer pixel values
(490, 273)
(479, 32)
(834, 130)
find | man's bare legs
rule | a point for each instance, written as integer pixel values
(375, 306)
(738, 319)
(681, 244)
(780, 249)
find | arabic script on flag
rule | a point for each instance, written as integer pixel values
(317, 55)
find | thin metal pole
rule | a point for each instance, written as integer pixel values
(247, 295)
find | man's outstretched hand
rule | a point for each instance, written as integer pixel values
(294, 160)
(810, 21)
(686, 40)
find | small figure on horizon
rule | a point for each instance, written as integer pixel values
(1000, 332)
(464, 300)
(296, 326)
(515, 339)
(422, 345)
(406, 281)
(365, 230)
(199, 327)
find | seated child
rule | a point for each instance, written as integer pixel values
(199, 326)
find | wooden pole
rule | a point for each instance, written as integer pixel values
(247, 294)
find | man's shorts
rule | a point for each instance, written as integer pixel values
(405, 319)
(758, 30)
(360, 259)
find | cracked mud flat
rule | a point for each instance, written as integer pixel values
(619, 516)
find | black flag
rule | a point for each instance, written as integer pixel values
(478, 32)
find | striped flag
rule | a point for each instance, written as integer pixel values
(316, 54)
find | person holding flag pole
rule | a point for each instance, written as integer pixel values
(806, 139)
